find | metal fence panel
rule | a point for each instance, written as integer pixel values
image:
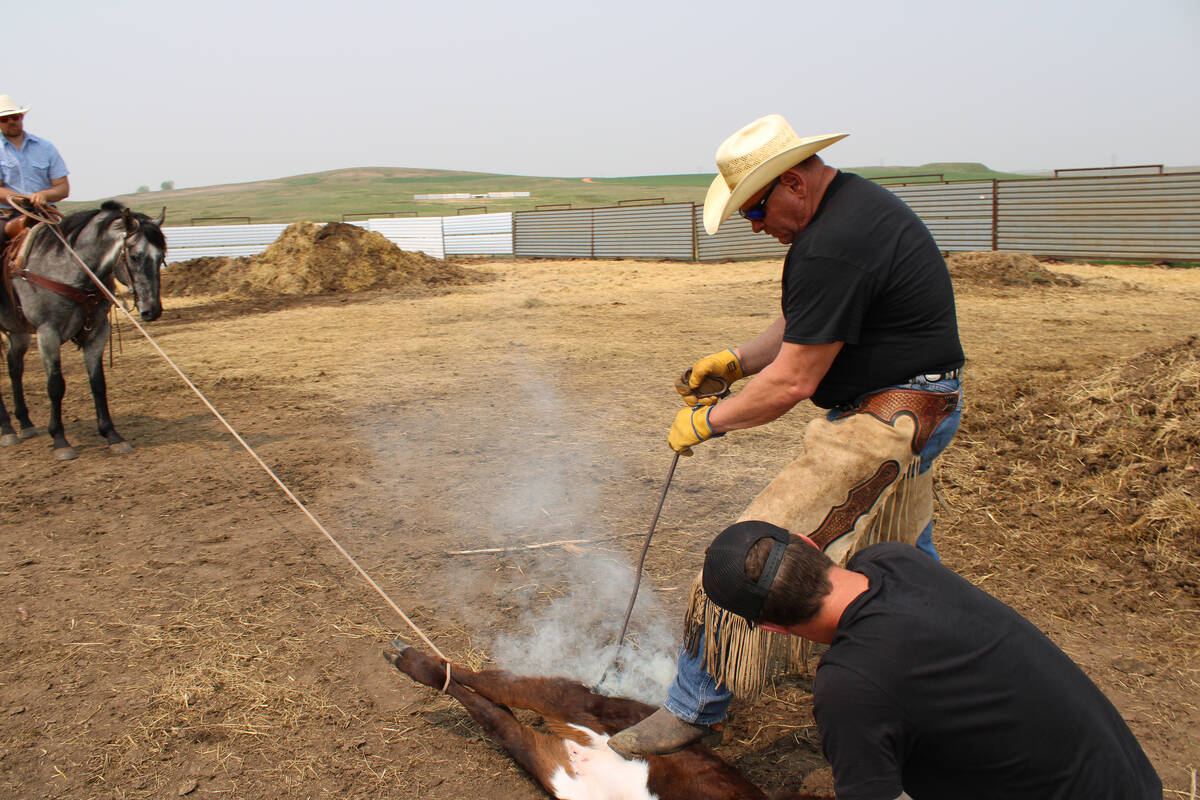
(479, 235)
(553, 234)
(662, 231)
(1135, 216)
(735, 241)
(1114, 216)
(959, 215)
(203, 241)
(484, 244)
(477, 223)
(417, 235)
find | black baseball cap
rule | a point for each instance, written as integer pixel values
(725, 580)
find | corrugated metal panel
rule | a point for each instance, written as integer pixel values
(959, 215)
(218, 251)
(483, 244)
(207, 235)
(477, 223)
(735, 241)
(553, 234)
(415, 235)
(478, 235)
(1136, 216)
(663, 231)
(204, 241)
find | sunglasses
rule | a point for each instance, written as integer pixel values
(11, 117)
(759, 211)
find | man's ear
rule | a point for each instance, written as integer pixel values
(793, 180)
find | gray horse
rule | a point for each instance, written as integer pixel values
(56, 299)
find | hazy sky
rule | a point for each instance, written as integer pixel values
(216, 92)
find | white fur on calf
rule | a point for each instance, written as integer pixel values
(599, 773)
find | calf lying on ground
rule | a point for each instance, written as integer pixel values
(573, 761)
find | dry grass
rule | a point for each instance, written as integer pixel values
(229, 686)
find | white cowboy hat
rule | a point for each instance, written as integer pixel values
(753, 157)
(8, 106)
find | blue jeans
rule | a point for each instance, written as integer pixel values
(695, 696)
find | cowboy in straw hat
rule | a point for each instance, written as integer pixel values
(869, 334)
(902, 630)
(29, 165)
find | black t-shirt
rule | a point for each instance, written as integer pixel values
(867, 272)
(934, 686)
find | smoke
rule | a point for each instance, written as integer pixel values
(525, 469)
(575, 636)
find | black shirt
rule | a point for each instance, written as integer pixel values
(867, 272)
(934, 686)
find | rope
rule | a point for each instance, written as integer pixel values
(295, 500)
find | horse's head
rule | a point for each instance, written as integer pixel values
(140, 258)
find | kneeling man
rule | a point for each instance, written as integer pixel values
(930, 685)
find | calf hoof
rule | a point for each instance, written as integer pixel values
(65, 453)
(8, 440)
(120, 448)
(418, 666)
(28, 433)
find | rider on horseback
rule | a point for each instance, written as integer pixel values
(29, 166)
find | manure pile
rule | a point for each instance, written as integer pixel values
(1003, 269)
(311, 258)
(1119, 453)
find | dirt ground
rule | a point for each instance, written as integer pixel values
(174, 626)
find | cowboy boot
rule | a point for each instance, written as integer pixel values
(662, 733)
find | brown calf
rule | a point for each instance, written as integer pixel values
(573, 761)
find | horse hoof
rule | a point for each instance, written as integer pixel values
(8, 440)
(65, 453)
(120, 448)
(28, 433)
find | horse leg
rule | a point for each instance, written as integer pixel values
(18, 345)
(8, 436)
(539, 754)
(93, 358)
(49, 344)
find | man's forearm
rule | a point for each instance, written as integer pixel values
(762, 349)
(791, 377)
(765, 398)
(58, 190)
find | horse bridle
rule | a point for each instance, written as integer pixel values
(131, 227)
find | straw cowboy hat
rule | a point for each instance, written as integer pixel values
(753, 157)
(8, 106)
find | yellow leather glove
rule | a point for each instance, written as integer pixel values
(690, 427)
(724, 365)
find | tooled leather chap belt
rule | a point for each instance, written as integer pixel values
(927, 409)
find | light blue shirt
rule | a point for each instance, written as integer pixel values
(33, 167)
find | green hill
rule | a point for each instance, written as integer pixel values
(362, 192)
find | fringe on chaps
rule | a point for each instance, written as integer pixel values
(856, 482)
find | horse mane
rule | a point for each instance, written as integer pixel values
(73, 224)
